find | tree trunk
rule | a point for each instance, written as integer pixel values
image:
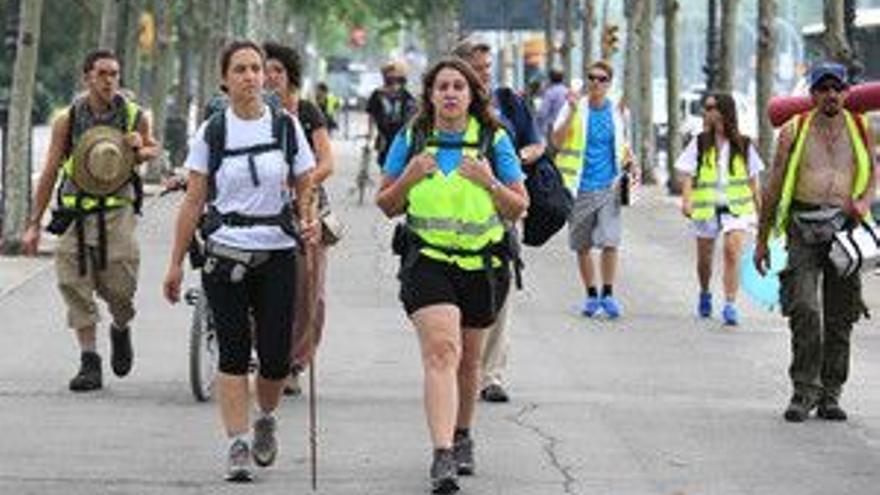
(646, 91)
(442, 29)
(765, 75)
(836, 46)
(17, 168)
(567, 39)
(550, 33)
(633, 12)
(711, 66)
(673, 117)
(727, 57)
(130, 56)
(161, 72)
(587, 41)
(109, 20)
(161, 66)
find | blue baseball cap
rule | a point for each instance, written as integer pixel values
(824, 70)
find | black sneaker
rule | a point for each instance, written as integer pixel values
(89, 376)
(494, 393)
(443, 472)
(463, 452)
(798, 408)
(121, 353)
(830, 410)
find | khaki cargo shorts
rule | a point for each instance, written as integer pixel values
(116, 284)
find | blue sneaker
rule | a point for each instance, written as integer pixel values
(704, 307)
(730, 315)
(591, 307)
(610, 306)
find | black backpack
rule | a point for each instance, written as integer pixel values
(550, 202)
(283, 138)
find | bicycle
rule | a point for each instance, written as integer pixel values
(204, 353)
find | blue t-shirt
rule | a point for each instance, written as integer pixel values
(600, 166)
(507, 166)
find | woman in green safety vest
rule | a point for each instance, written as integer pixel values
(719, 170)
(455, 174)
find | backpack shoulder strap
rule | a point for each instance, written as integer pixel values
(416, 142)
(284, 133)
(215, 137)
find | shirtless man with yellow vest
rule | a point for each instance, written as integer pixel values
(822, 178)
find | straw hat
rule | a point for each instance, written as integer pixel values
(102, 161)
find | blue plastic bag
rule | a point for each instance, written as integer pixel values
(763, 290)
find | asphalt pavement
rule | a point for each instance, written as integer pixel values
(657, 403)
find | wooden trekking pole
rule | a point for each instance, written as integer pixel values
(312, 298)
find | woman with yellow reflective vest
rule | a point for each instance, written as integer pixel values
(719, 175)
(455, 174)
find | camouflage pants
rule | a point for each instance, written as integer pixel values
(820, 328)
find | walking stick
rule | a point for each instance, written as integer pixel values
(311, 276)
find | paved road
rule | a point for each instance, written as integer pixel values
(656, 404)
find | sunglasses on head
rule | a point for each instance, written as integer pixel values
(597, 78)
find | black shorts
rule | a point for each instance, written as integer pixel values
(431, 282)
(266, 294)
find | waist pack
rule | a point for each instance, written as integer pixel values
(550, 202)
(856, 249)
(229, 264)
(818, 226)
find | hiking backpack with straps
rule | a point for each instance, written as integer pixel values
(406, 242)
(283, 138)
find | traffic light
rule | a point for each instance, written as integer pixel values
(610, 40)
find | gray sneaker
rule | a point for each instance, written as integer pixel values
(265, 446)
(463, 452)
(444, 478)
(238, 467)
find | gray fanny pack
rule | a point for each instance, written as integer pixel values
(231, 264)
(818, 226)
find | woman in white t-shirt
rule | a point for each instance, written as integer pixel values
(251, 246)
(719, 170)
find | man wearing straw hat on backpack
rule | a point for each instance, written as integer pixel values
(95, 146)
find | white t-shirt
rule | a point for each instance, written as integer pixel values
(687, 164)
(236, 191)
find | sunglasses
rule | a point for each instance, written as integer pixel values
(828, 86)
(710, 106)
(598, 78)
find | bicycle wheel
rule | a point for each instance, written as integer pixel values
(203, 352)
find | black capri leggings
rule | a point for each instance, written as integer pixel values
(266, 292)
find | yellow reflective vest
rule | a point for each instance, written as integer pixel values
(570, 157)
(70, 197)
(860, 150)
(739, 195)
(450, 211)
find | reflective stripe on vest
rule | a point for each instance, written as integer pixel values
(739, 195)
(860, 150)
(570, 157)
(69, 190)
(453, 212)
